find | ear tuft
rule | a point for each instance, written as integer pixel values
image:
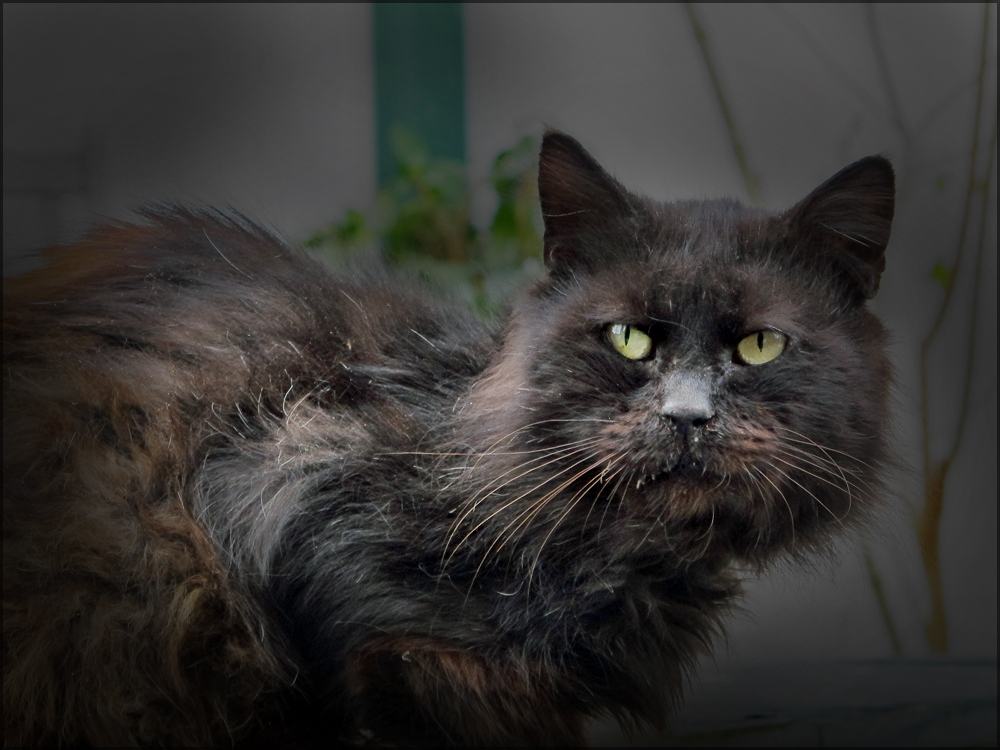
(579, 201)
(848, 218)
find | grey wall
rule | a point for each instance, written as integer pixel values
(268, 108)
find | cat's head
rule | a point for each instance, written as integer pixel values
(708, 370)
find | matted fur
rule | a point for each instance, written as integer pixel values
(247, 500)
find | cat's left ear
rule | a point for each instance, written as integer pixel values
(582, 205)
(848, 219)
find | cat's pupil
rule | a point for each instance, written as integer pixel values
(628, 330)
(760, 340)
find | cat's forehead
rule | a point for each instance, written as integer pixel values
(691, 261)
(681, 288)
(703, 229)
(729, 270)
(715, 255)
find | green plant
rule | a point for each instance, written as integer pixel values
(421, 221)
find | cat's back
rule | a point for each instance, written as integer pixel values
(145, 338)
(194, 293)
(195, 313)
(126, 359)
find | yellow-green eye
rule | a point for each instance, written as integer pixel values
(629, 341)
(761, 347)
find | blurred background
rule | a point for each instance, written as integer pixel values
(338, 124)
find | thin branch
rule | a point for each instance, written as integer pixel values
(815, 45)
(966, 209)
(936, 472)
(887, 85)
(945, 103)
(985, 187)
(750, 179)
(883, 601)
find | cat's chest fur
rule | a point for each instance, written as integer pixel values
(249, 500)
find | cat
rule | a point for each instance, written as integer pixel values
(249, 500)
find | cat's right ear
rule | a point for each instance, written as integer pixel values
(580, 203)
(846, 222)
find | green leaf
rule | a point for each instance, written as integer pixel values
(421, 221)
(943, 276)
(504, 225)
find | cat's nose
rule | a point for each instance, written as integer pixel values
(688, 399)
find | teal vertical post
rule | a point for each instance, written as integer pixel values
(419, 78)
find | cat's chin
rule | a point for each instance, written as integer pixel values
(690, 489)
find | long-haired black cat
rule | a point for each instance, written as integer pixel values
(249, 500)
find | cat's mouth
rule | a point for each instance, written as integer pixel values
(685, 469)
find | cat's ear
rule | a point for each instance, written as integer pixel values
(580, 203)
(848, 219)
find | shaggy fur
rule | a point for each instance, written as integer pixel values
(249, 501)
